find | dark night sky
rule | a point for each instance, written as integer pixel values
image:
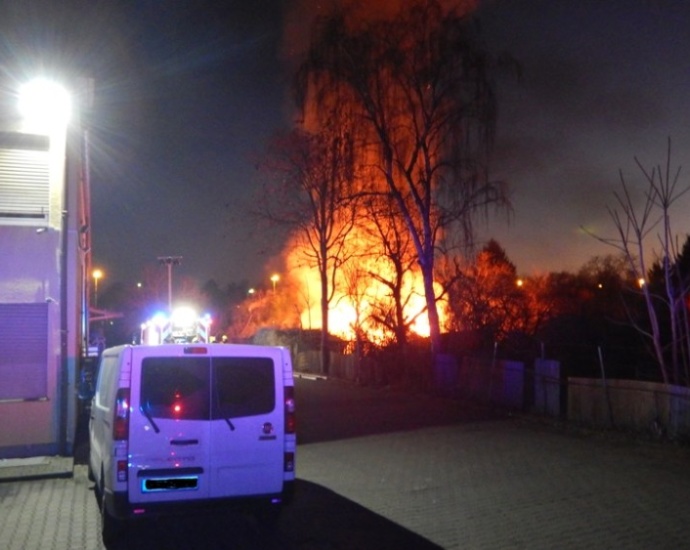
(604, 82)
(188, 90)
(208, 89)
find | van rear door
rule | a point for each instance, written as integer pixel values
(247, 430)
(169, 425)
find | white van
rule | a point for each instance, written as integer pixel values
(174, 426)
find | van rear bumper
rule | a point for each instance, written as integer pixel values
(120, 507)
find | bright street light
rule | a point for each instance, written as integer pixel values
(97, 275)
(45, 106)
(274, 279)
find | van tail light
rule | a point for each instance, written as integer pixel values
(121, 420)
(289, 462)
(289, 409)
(122, 470)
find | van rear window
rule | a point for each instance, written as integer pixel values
(244, 386)
(181, 388)
(175, 387)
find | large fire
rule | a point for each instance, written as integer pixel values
(362, 300)
(360, 296)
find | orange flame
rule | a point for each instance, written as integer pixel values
(359, 295)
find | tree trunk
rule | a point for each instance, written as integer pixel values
(325, 351)
(432, 309)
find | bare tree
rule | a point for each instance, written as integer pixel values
(386, 226)
(635, 227)
(313, 196)
(420, 85)
(355, 292)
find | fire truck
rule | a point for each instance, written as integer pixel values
(183, 325)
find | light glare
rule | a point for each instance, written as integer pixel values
(44, 105)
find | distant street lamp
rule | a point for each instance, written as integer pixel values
(170, 261)
(274, 279)
(97, 275)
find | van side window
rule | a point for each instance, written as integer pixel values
(107, 380)
(175, 387)
(243, 386)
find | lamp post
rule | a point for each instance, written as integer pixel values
(97, 275)
(170, 261)
(274, 279)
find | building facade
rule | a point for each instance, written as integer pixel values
(44, 261)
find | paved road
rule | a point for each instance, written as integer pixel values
(381, 470)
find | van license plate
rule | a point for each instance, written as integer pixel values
(152, 485)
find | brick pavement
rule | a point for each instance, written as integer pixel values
(483, 485)
(49, 514)
(502, 485)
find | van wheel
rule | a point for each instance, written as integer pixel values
(112, 529)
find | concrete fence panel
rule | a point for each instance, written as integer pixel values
(501, 382)
(473, 378)
(308, 362)
(445, 374)
(547, 387)
(631, 405)
(507, 384)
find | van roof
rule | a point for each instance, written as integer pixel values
(214, 350)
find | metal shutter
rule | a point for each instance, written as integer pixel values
(24, 179)
(23, 351)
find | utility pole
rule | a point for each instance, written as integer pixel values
(170, 261)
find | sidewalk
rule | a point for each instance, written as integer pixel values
(37, 467)
(49, 513)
